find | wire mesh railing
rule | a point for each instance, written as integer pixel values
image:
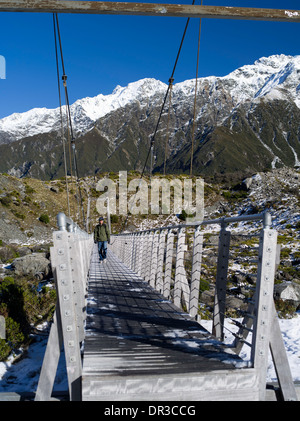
(215, 272)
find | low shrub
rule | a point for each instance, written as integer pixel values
(23, 305)
(44, 218)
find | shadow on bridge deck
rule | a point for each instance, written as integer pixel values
(140, 346)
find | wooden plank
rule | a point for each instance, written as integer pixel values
(141, 261)
(264, 305)
(148, 9)
(79, 277)
(134, 247)
(154, 256)
(181, 287)
(221, 283)
(160, 261)
(148, 249)
(240, 385)
(9, 396)
(242, 333)
(130, 250)
(196, 272)
(54, 344)
(70, 257)
(65, 292)
(51, 360)
(127, 250)
(280, 360)
(169, 261)
(138, 346)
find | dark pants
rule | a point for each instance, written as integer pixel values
(102, 249)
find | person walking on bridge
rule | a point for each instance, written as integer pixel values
(102, 237)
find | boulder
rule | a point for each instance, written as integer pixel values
(35, 264)
(288, 291)
(54, 189)
(235, 303)
(246, 183)
(24, 251)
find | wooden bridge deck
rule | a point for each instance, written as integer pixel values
(139, 346)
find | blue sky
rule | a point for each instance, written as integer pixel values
(103, 51)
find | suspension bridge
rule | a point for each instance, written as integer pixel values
(131, 329)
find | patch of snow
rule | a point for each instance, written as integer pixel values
(290, 333)
(23, 376)
(291, 14)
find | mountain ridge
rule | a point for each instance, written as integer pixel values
(235, 111)
(100, 105)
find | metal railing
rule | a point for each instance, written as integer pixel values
(70, 261)
(214, 272)
(211, 274)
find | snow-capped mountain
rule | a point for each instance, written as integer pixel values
(252, 114)
(84, 112)
(265, 77)
(284, 83)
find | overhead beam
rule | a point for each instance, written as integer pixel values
(148, 9)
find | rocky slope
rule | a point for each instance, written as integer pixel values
(24, 201)
(247, 121)
(29, 207)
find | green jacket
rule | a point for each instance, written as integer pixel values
(101, 233)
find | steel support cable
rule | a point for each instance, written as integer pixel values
(67, 116)
(171, 79)
(168, 124)
(61, 118)
(69, 144)
(72, 147)
(167, 92)
(64, 78)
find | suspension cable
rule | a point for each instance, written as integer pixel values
(167, 92)
(168, 124)
(171, 80)
(64, 79)
(61, 118)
